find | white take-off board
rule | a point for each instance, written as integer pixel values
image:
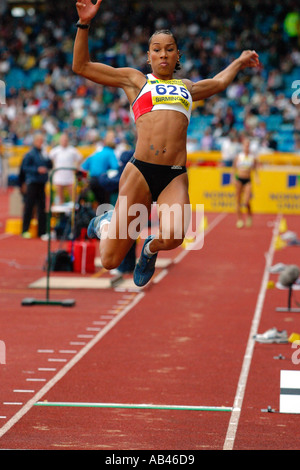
(289, 391)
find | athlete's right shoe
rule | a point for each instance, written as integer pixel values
(93, 230)
(145, 267)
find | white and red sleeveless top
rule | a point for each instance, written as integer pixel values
(159, 94)
(244, 161)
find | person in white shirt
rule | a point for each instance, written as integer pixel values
(64, 156)
(229, 148)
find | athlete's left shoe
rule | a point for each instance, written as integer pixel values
(93, 230)
(145, 266)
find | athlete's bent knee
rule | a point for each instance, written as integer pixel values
(110, 261)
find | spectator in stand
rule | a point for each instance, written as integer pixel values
(297, 119)
(229, 119)
(297, 145)
(3, 175)
(207, 140)
(260, 131)
(64, 156)
(275, 80)
(35, 167)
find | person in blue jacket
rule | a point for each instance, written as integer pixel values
(35, 167)
(100, 162)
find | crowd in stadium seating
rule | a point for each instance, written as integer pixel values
(42, 92)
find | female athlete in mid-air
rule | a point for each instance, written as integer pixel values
(161, 107)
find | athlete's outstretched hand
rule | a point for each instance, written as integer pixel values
(249, 59)
(87, 10)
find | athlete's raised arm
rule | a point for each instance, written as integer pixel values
(125, 77)
(208, 87)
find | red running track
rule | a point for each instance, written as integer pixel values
(183, 340)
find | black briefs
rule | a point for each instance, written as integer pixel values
(157, 176)
(243, 180)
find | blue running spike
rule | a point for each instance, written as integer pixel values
(145, 267)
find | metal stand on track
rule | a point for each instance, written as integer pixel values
(289, 308)
(67, 302)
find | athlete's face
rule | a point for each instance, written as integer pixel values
(163, 55)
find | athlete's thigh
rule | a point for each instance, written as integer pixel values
(247, 192)
(131, 211)
(239, 189)
(174, 208)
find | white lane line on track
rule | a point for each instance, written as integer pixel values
(196, 245)
(12, 403)
(67, 351)
(241, 387)
(5, 235)
(199, 239)
(55, 359)
(12, 421)
(160, 276)
(36, 380)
